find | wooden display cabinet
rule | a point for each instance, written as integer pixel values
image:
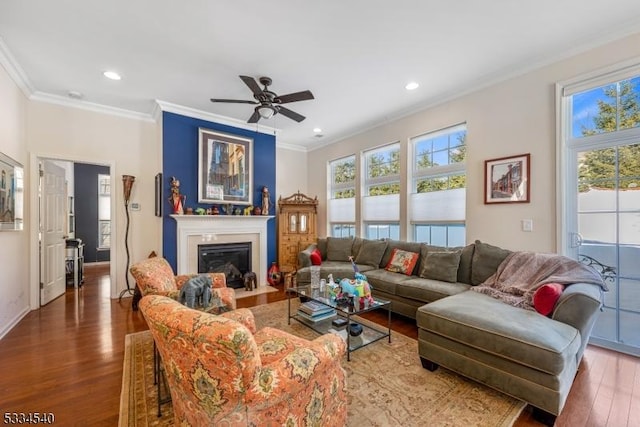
(297, 228)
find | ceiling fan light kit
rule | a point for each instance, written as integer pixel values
(268, 103)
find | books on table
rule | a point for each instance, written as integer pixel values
(315, 312)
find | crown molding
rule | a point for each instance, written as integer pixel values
(90, 106)
(211, 117)
(292, 147)
(15, 71)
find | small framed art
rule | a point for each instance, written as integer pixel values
(506, 180)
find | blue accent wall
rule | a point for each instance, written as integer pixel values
(180, 159)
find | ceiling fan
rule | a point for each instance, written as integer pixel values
(267, 102)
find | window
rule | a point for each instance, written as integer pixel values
(104, 211)
(437, 209)
(341, 211)
(608, 108)
(343, 230)
(447, 235)
(381, 202)
(382, 231)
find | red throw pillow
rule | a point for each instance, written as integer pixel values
(402, 261)
(316, 258)
(546, 296)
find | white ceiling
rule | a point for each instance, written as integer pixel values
(354, 55)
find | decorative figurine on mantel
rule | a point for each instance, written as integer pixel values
(266, 201)
(176, 199)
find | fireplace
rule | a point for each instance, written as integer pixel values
(232, 259)
(195, 230)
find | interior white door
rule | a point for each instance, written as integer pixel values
(52, 227)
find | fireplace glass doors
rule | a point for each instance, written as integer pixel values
(232, 259)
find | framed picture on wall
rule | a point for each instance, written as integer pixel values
(225, 165)
(507, 179)
(11, 194)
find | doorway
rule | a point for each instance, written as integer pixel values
(86, 215)
(600, 180)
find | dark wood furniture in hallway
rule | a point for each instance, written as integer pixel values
(66, 358)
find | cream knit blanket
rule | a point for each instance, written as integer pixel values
(522, 273)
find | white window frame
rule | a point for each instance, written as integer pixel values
(341, 211)
(433, 216)
(104, 209)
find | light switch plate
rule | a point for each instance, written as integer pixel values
(527, 225)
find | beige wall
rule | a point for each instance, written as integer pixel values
(129, 146)
(291, 172)
(14, 290)
(510, 118)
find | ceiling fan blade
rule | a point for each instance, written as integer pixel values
(254, 117)
(291, 114)
(293, 97)
(234, 101)
(253, 85)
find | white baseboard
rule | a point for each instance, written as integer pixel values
(5, 330)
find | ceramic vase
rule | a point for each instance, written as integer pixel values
(273, 274)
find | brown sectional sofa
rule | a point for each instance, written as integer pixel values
(517, 351)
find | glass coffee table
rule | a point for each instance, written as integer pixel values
(320, 299)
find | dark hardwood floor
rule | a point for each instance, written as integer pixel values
(66, 358)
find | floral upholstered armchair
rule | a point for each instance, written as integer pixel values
(221, 371)
(154, 276)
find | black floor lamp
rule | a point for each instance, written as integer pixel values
(127, 182)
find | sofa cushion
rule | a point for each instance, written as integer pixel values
(466, 256)
(441, 265)
(466, 259)
(405, 246)
(371, 252)
(339, 248)
(386, 281)
(357, 244)
(486, 259)
(402, 261)
(489, 325)
(322, 246)
(315, 257)
(428, 290)
(546, 297)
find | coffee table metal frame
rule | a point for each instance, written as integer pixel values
(370, 334)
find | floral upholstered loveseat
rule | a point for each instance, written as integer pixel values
(221, 371)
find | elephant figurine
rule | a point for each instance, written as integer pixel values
(196, 290)
(250, 281)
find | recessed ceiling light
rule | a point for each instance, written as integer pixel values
(317, 130)
(112, 75)
(411, 86)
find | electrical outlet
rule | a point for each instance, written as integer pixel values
(135, 206)
(527, 225)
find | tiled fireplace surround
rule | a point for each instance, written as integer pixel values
(195, 230)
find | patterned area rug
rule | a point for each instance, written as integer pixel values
(387, 385)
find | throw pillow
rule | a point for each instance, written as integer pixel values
(546, 297)
(402, 261)
(441, 266)
(393, 244)
(315, 257)
(339, 248)
(371, 252)
(485, 261)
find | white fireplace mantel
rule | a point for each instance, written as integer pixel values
(194, 230)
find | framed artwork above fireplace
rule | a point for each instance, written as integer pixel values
(225, 165)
